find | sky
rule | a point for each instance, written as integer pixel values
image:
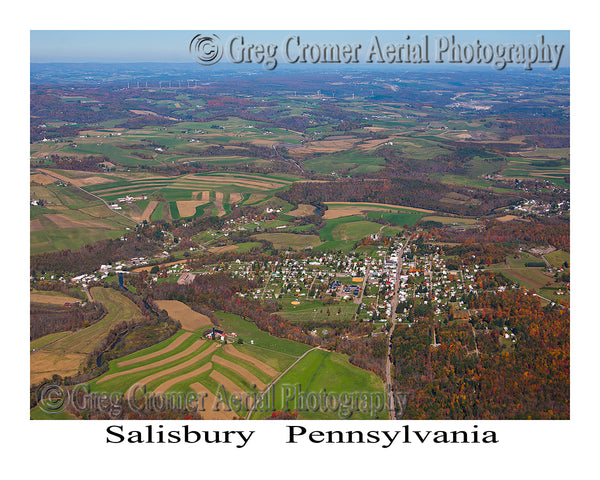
(173, 45)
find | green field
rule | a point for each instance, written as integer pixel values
(317, 371)
(397, 218)
(46, 339)
(352, 161)
(322, 371)
(70, 219)
(449, 220)
(248, 332)
(294, 241)
(315, 310)
(179, 364)
(327, 232)
(558, 258)
(119, 309)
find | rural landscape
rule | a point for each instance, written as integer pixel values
(354, 244)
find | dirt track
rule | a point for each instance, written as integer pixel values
(148, 210)
(235, 197)
(219, 203)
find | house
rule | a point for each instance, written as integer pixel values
(186, 279)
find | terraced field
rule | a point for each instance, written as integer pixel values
(190, 185)
(185, 196)
(188, 363)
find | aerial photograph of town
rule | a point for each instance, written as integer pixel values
(302, 226)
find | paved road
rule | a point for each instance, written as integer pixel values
(551, 301)
(388, 365)
(358, 299)
(267, 283)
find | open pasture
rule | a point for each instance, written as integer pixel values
(552, 167)
(303, 210)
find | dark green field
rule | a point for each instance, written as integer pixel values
(360, 394)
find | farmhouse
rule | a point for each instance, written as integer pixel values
(186, 279)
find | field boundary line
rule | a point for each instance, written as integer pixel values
(270, 350)
(275, 380)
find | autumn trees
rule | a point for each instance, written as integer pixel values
(479, 372)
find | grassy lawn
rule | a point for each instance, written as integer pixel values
(355, 230)
(306, 310)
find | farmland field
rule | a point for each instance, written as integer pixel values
(56, 298)
(558, 258)
(189, 319)
(185, 363)
(325, 371)
(65, 355)
(344, 209)
(289, 240)
(70, 219)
